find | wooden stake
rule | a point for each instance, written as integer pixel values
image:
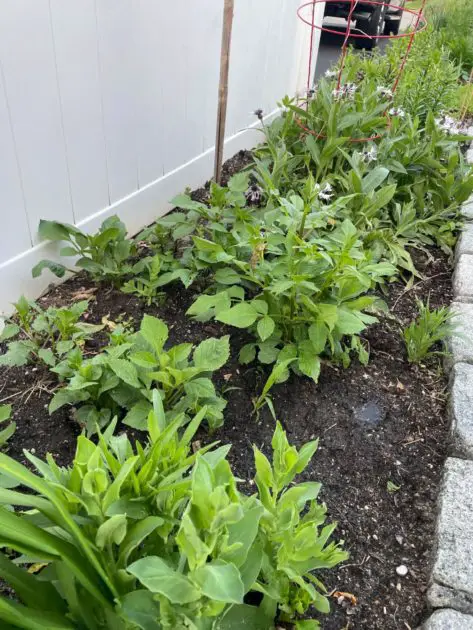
(223, 86)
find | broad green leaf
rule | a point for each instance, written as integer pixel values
(348, 323)
(241, 315)
(268, 352)
(212, 354)
(309, 362)
(154, 331)
(247, 353)
(9, 331)
(374, 178)
(221, 582)
(227, 275)
(55, 231)
(126, 371)
(318, 334)
(245, 616)
(160, 578)
(265, 327)
(135, 536)
(113, 530)
(200, 388)
(56, 268)
(140, 608)
(47, 355)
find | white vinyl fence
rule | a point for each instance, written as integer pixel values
(109, 106)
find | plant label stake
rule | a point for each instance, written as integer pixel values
(223, 86)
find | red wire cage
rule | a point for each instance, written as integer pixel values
(420, 24)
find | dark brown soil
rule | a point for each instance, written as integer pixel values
(403, 442)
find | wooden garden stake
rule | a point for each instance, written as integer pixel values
(223, 86)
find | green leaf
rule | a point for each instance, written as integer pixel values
(111, 531)
(318, 334)
(154, 331)
(374, 179)
(55, 231)
(9, 331)
(140, 608)
(227, 276)
(241, 315)
(244, 616)
(126, 371)
(5, 412)
(309, 362)
(21, 617)
(158, 577)
(247, 353)
(47, 355)
(348, 323)
(265, 327)
(200, 388)
(221, 582)
(135, 536)
(268, 352)
(56, 268)
(212, 354)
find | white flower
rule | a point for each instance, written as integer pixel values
(370, 156)
(311, 92)
(450, 125)
(326, 193)
(397, 111)
(331, 74)
(344, 91)
(254, 194)
(384, 91)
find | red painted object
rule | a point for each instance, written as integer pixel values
(420, 25)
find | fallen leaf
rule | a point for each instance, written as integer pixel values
(84, 294)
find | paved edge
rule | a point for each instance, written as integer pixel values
(451, 584)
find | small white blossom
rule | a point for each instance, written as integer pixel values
(397, 111)
(450, 125)
(344, 91)
(384, 91)
(370, 156)
(331, 74)
(326, 193)
(254, 194)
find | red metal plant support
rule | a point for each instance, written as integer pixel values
(420, 25)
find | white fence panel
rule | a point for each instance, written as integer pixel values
(109, 106)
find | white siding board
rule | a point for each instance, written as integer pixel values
(75, 37)
(28, 61)
(116, 46)
(15, 234)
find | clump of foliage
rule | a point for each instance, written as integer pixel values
(453, 21)
(45, 335)
(153, 536)
(9, 430)
(432, 326)
(304, 291)
(104, 255)
(125, 375)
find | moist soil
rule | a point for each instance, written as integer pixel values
(383, 434)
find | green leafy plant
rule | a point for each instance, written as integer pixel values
(429, 328)
(279, 374)
(9, 430)
(45, 335)
(154, 537)
(146, 280)
(124, 376)
(306, 295)
(105, 255)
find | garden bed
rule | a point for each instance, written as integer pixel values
(378, 425)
